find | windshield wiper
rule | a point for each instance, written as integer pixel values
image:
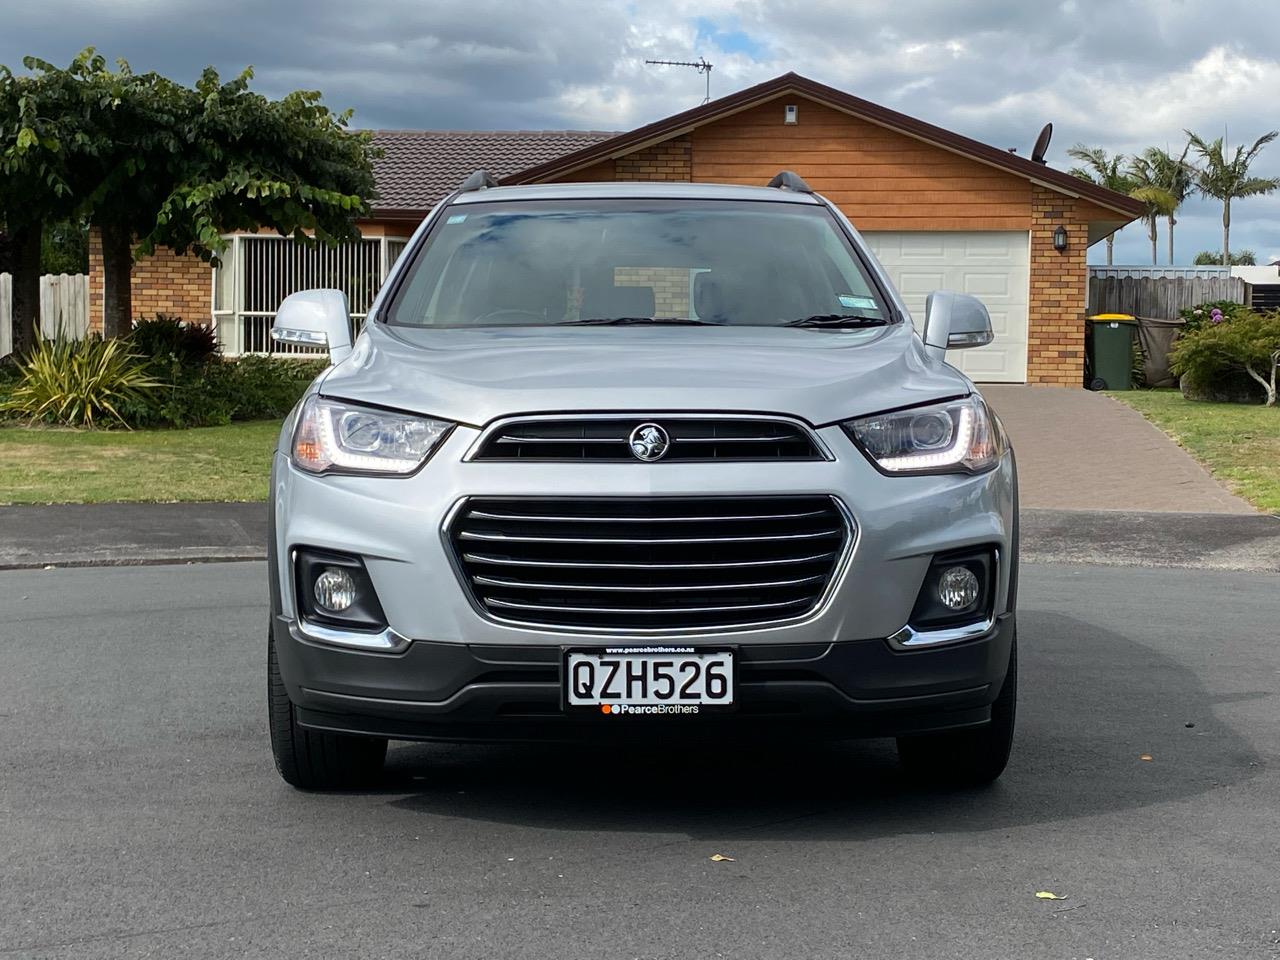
(834, 320)
(637, 321)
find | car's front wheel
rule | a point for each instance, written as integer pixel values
(963, 758)
(310, 759)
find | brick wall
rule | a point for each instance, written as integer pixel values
(669, 160)
(166, 282)
(670, 287)
(1055, 342)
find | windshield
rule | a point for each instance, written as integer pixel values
(543, 263)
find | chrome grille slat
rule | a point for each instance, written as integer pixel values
(763, 439)
(640, 588)
(505, 561)
(532, 439)
(693, 438)
(538, 517)
(642, 611)
(648, 564)
(641, 541)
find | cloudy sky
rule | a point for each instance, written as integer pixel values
(1123, 74)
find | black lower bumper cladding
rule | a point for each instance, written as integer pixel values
(465, 692)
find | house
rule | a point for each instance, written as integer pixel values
(940, 210)
(1264, 285)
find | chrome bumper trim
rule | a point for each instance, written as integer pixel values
(909, 638)
(384, 641)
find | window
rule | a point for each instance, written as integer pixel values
(538, 263)
(260, 270)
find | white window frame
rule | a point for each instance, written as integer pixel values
(231, 321)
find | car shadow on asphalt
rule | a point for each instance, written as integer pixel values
(1105, 725)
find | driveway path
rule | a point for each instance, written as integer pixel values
(1079, 450)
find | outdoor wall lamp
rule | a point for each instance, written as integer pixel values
(1060, 238)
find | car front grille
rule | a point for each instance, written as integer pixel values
(649, 564)
(692, 439)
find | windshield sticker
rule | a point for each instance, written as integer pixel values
(457, 218)
(857, 303)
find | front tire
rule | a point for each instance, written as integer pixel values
(310, 759)
(967, 758)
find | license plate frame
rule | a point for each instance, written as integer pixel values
(651, 706)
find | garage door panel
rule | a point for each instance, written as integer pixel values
(990, 246)
(986, 364)
(917, 248)
(1001, 325)
(991, 265)
(994, 285)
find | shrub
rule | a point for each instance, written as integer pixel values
(268, 387)
(169, 339)
(9, 375)
(79, 382)
(220, 391)
(1197, 317)
(1249, 343)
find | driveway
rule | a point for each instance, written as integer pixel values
(1079, 450)
(140, 815)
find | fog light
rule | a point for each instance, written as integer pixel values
(335, 590)
(958, 588)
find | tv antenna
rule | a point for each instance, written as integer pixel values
(701, 66)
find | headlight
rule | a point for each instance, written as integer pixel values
(338, 437)
(959, 436)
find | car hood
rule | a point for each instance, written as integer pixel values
(478, 375)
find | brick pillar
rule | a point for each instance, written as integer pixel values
(1055, 341)
(96, 301)
(669, 160)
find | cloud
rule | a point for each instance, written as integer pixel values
(1124, 74)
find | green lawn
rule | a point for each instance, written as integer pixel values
(45, 465)
(1240, 444)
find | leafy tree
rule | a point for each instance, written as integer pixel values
(1175, 175)
(288, 164)
(1105, 171)
(1226, 178)
(34, 187)
(1147, 186)
(64, 248)
(149, 161)
(1209, 258)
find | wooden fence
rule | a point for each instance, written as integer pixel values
(1161, 297)
(64, 307)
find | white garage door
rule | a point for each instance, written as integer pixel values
(993, 266)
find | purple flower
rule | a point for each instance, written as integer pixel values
(1215, 315)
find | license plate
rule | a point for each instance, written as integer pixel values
(649, 681)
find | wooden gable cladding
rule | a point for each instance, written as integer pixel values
(881, 179)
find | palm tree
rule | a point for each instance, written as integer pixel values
(1146, 185)
(1227, 178)
(1105, 171)
(1176, 176)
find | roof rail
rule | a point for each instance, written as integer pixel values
(480, 180)
(786, 180)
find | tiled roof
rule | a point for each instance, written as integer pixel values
(419, 168)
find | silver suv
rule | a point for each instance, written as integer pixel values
(617, 460)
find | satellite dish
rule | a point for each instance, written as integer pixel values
(1042, 144)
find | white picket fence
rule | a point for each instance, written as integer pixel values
(64, 307)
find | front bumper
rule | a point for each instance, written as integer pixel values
(452, 691)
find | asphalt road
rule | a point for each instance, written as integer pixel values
(140, 815)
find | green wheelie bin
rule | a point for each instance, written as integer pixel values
(1112, 350)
